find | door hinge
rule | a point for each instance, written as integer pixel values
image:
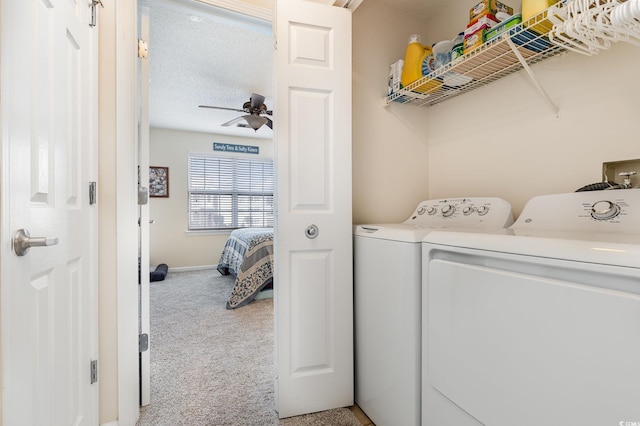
(94, 4)
(143, 49)
(94, 371)
(92, 193)
(143, 342)
(143, 195)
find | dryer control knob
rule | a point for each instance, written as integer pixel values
(421, 210)
(482, 210)
(432, 210)
(467, 210)
(604, 210)
(448, 210)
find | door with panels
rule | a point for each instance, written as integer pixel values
(49, 217)
(314, 291)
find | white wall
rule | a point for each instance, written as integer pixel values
(501, 140)
(390, 175)
(514, 147)
(170, 242)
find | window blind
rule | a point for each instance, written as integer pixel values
(230, 193)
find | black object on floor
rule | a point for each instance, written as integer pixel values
(160, 272)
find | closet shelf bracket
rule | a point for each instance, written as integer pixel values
(533, 78)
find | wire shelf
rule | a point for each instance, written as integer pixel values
(495, 59)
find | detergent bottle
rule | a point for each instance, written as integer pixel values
(531, 8)
(457, 50)
(414, 57)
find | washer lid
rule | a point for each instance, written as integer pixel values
(413, 233)
(393, 232)
(597, 248)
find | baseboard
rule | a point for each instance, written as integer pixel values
(192, 268)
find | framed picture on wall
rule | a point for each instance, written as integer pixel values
(158, 181)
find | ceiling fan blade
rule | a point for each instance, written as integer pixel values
(269, 123)
(217, 107)
(255, 121)
(232, 122)
(257, 101)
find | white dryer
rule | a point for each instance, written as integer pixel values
(540, 326)
(387, 295)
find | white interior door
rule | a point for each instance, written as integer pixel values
(49, 145)
(314, 280)
(143, 218)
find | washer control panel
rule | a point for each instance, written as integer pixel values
(605, 210)
(596, 211)
(472, 212)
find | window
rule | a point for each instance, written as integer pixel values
(229, 193)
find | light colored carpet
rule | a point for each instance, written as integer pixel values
(213, 366)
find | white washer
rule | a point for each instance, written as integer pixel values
(387, 285)
(540, 326)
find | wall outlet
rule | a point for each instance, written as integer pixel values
(611, 171)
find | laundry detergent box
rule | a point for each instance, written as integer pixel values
(395, 76)
(487, 21)
(475, 40)
(488, 7)
(503, 26)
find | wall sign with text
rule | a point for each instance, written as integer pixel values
(243, 149)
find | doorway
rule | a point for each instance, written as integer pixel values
(198, 54)
(314, 304)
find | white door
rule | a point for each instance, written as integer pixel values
(314, 280)
(143, 218)
(49, 144)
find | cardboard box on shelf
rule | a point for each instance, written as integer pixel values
(475, 40)
(486, 21)
(488, 7)
(395, 75)
(503, 26)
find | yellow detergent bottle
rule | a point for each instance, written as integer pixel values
(412, 70)
(531, 8)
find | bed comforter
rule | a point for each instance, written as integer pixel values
(248, 255)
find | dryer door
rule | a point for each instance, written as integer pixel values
(529, 341)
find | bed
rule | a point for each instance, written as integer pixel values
(248, 256)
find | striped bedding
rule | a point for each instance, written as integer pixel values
(248, 255)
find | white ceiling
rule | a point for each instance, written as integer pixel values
(203, 55)
(423, 8)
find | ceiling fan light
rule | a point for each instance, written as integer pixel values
(255, 121)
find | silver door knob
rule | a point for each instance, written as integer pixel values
(22, 242)
(311, 232)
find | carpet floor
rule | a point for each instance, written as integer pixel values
(214, 366)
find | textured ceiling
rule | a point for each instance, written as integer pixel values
(203, 55)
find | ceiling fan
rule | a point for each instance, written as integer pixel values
(254, 108)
